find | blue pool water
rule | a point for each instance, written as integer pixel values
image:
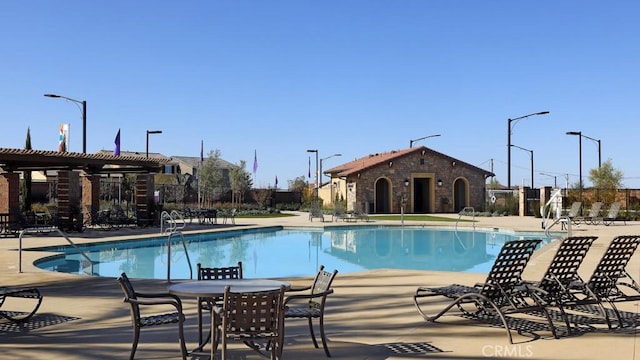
(292, 252)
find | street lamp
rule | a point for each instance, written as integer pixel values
(422, 138)
(151, 132)
(320, 184)
(555, 179)
(531, 151)
(509, 128)
(597, 141)
(317, 177)
(84, 117)
(579, 134)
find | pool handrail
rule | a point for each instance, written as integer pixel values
(49, 229)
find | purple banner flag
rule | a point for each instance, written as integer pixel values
(201, 150)
(255, 161)
(116, 151)
(309, 167)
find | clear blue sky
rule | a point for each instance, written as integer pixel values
(342, 76)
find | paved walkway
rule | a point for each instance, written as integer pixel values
(370, 316)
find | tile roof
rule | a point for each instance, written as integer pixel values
(372, 160)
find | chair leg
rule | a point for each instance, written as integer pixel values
(313, 335)
(324, 337)
(183, 346)
(136, 337)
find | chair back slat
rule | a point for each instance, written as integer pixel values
(563, 268)
(508, 267)
(130, 293)
(612, 264)
(321, 283)
(220, 273)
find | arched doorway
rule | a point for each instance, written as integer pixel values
(460, 191)
(383, 197)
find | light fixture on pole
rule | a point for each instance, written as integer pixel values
(531, 152)
(321, 160)
(151, 132)
(579, 134)
(509, 129)
(84, 117)
(555, 179)
(317, 183)
(597, 141)
(422, 138)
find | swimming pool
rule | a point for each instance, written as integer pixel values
(291, 252)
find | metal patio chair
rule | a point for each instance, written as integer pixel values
(312, 304)
(207, 304)
(138, 301)
(251, 318)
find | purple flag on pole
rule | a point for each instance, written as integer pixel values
(201, 150)
(116, 152)
(255, 161)
(309, 167)
(276, 181)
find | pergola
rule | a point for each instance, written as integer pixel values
(78, 177)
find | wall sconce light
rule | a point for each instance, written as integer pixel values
(453, 163)
(390, 163)
(406, 182)
(423, 152)
(358, 175)
(439, 182)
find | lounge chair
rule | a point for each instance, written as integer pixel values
(338, 212)
(316, 212)
(610, 282)
(593, 217)
(139, 300)
(563, 272)
(28, 299)
(501, 294)
(311, 305)
(612, 214)
(573, 212)
(250, 318)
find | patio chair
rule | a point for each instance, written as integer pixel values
(571, 214)
(610, 282)
(612, 214)
(251, 318)
(28, 299)
(338, 212)
(500, 295)
(316, 212)
(563, 272)
(139, 300)
(311, 305)
(593, 217)
(206, 304)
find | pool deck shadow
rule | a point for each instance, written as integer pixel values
(370, 316)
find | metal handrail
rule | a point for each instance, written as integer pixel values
(174, 229)
(49, 229)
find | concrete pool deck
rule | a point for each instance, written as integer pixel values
(370, 317)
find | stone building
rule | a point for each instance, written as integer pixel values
(413, 180)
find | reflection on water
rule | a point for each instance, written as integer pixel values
(295, 252)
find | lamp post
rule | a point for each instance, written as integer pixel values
(422, 138)
(151, 132)
(579, 134)
(530, 151)
(317, 177)
(84, 117)
(555, 179)
(328, 157)
(509, 128)
(597, 141)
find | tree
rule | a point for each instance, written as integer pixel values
(607, 180)
(26, 184)
(240, 181)
(298, 184)
(210, 177)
